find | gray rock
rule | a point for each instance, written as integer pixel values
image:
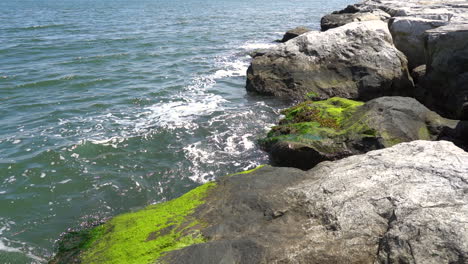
(447, 70)
(408, 37)
(418, 73)
(290, 34)
(340, 19)
(379, 123)
(404, 204)
(357, 60)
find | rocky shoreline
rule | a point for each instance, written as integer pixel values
(373, 155)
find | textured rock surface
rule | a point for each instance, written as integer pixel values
(357, 60)
(329, 130)
(290, 34)
(408, 36)
(339, 19)
(404, 204)
(446, 78)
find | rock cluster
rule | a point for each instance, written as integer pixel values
(387, 173)
(403, 204)
(327, 64)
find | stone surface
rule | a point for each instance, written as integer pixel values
(290, 34)
(408, 36)
(404, 204)
(446, 78)
(418, 73)
(357, 60)
(312, 132)
(339, 19)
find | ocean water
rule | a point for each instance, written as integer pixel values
(107, 105)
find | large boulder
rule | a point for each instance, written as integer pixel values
(408, 36)
(404, 204)
(357, 61)
(312, 132)
(295, 32)
(339, 19)
(446, 79)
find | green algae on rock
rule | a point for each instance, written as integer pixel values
(142, 236)
(312, 132)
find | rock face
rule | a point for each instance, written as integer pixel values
(357, 60)
(408, 35)
(295, 32)
(405, 204)
(447, 70)
(312, 132)
(339, 19)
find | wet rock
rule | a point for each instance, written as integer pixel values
(447, 70)
(357, 60)
(340, 19)
(312, 132)
(290, 34)
(406, 203)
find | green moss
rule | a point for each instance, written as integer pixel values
(423, 133)
(145, 235)
(321, 124)
(311, 95)
(328, 113)
(389, 140)
(248, 171)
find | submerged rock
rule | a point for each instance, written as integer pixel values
(357, 60)
(295, 32)
(312, 132)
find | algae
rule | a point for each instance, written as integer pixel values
(248, 171)
(145, 235)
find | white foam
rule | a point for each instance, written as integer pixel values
(232, 68)
(258, 45)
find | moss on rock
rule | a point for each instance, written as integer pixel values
(138, 237)
(334, 128)
(316, 121)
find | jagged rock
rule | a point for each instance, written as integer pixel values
(408, 37)
(446, 78)
(404, 204)
(312, 132)
(290, 34)
(357, 60)
(340, 19)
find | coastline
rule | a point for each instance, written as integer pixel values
(279, 215)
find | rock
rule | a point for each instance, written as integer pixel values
(447, 70)
(137, 237)
(290, 34)
(354, 61)
(405, 204)
(418, 73)
(408, 37)
(312, 132)
(340, 19)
